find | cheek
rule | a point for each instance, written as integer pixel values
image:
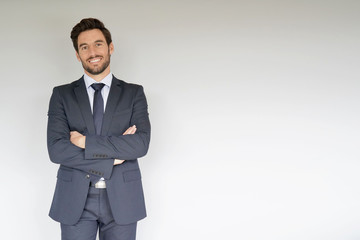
(78, 57)
(82, 58)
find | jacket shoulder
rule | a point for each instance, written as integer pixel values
(67, 86)
(127, 86)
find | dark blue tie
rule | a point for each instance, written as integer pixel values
(98, 107)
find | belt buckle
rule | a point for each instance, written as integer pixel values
(100, 184)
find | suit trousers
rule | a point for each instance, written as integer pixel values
(97, 216)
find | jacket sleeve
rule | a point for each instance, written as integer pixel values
(61, 150)
(126, 147)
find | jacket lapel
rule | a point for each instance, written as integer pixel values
(84, 105)
(112, 103)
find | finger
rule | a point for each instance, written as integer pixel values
(118, 161)
(129, 130)
(133, 130)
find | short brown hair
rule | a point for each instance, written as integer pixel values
(89, 24)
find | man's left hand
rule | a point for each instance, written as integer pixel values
(77, 139)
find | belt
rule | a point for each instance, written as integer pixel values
(99, 184)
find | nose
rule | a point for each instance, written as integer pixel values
(92, 51)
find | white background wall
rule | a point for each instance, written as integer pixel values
(254, 108)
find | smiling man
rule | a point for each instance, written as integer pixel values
(98, 127)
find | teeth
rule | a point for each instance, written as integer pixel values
(95, 60)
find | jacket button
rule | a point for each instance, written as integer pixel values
(88, 176)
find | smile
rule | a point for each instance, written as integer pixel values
(95, 60)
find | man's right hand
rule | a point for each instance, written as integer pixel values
(130, 130)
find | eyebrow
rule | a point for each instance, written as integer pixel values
(83, 44)
(97, 41)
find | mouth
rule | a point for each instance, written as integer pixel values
(95, 60)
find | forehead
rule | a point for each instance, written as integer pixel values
(90, 36)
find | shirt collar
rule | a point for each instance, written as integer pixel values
(106, 80)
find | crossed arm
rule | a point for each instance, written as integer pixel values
(79, 140)
(100, 151)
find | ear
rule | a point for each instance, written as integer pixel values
(77, 56)
(111, 48)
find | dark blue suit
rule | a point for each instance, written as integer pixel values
(69, 110)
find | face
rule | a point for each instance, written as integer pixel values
(94, 53)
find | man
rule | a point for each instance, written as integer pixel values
(97, 128)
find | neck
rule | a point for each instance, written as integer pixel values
(100, 76)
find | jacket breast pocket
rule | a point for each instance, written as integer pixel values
(132, 175)
(64, 175)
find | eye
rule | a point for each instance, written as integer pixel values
(83, 48)
(99, 44)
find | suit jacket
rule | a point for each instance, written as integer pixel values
(69, 110)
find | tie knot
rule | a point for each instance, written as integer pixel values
(97, 86)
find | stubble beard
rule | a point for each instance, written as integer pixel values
(96, 70)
